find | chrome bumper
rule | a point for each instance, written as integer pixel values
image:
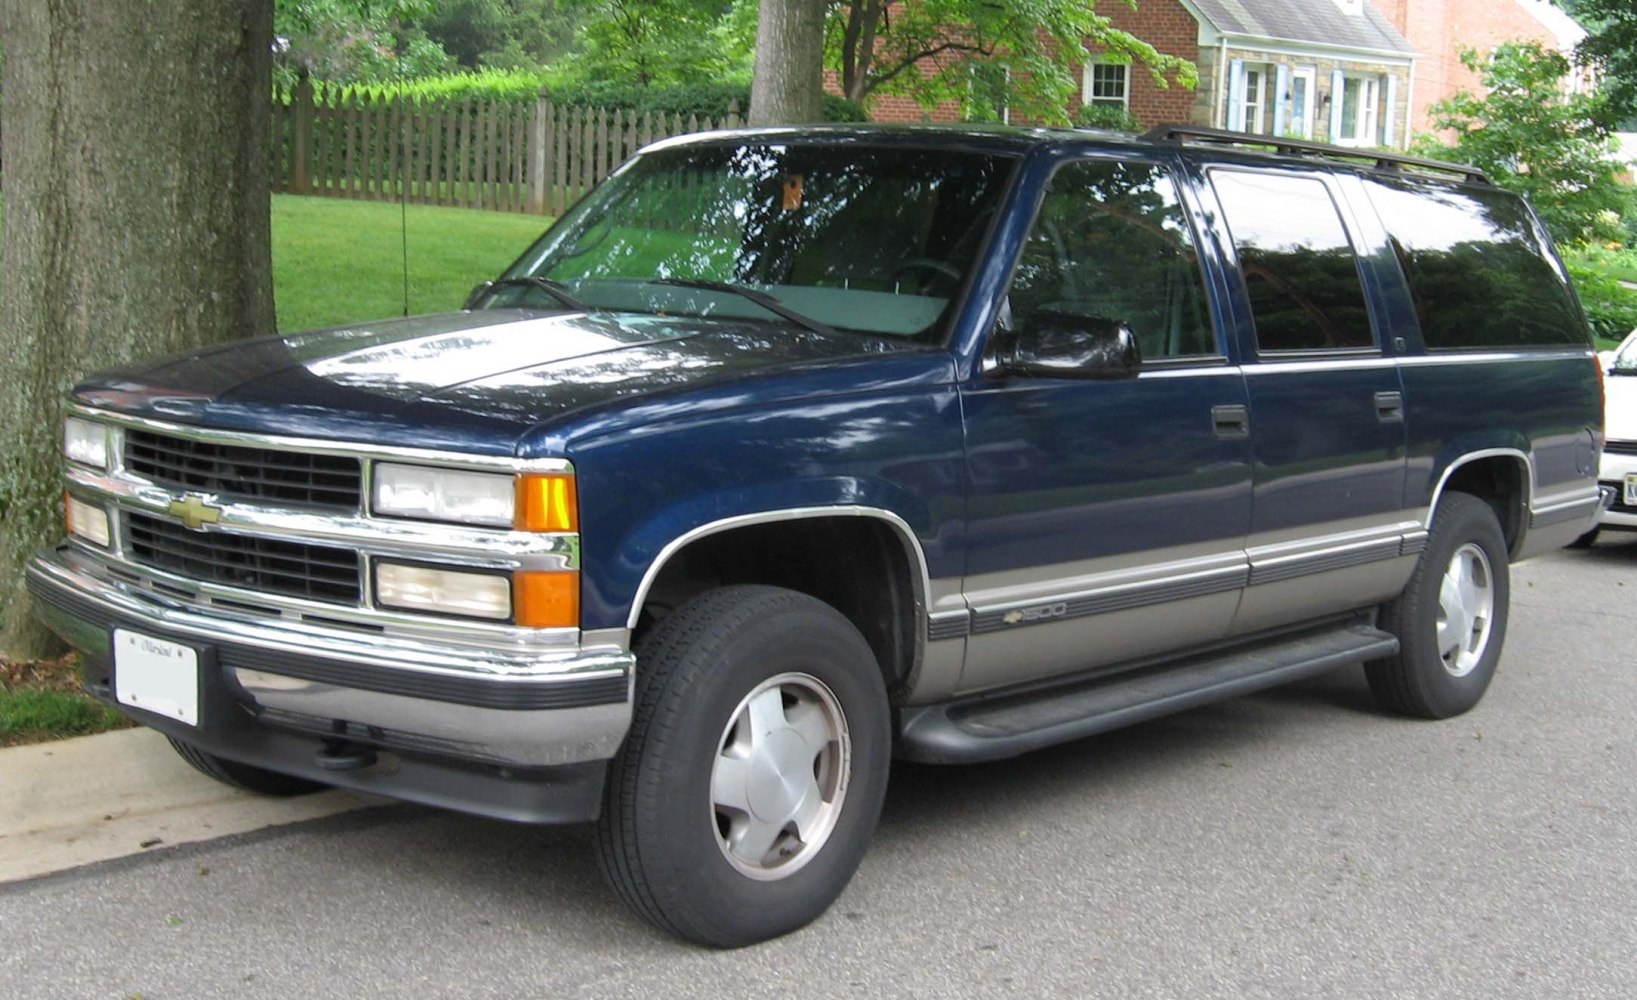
(503, 708)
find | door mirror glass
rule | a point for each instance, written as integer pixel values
(1064, 345)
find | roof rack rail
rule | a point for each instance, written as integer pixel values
(1306, 147)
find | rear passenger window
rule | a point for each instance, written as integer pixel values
(1476, 266)
(1112, 242)
(1298, 265)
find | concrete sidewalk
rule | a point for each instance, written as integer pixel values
(76, 801)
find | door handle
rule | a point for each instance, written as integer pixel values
(1390, 407)
(1231, 420)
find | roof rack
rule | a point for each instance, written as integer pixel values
(1306, 147)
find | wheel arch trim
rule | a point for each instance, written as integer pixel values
(1467, 458)
(920, 576)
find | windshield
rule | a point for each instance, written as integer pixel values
(1625, 358)
(873, 240)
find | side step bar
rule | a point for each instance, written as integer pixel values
(998, 726)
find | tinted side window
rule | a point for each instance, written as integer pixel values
(1111, 241)
(1476, 267)
(1298, 265)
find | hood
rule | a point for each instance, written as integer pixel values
(470, 381)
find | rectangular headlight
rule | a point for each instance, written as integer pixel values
(445, 494)
(88, 521)
(85, 442)
(443, 591)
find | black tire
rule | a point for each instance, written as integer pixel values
(1587, 540)
(244, 776)
(1420, 680)
(664, 840)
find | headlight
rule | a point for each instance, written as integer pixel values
(85, 442)
(443, 591)
(445, 494)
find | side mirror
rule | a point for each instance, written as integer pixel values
(1064, 345)
(479, 293)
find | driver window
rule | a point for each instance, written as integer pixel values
(1112, 242)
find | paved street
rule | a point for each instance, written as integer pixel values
(1294, 844)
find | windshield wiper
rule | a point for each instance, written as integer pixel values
(762, 299)
(555, 289)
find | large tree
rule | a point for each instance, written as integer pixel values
(1530, 134)
(136, 220)
(788, 83)
(1612, 47)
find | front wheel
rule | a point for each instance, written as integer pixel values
(754, 771)
(1451, 618)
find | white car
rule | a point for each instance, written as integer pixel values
(1619, 465)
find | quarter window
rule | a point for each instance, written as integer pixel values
(1299, 269)
(1479, 257)
(1111, 242)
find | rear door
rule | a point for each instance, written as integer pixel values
(1328, 528)
(1107, 518)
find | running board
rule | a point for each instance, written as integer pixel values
(998, 726)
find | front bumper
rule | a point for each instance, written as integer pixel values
(517, 734)
(1612, 472)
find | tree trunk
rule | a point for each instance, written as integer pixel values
(135, 221)
(787, 87)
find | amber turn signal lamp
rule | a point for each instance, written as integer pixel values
(547, 503)
(548, 599)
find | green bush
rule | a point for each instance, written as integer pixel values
(706, 100)
(1107, 116)
(1611, 307)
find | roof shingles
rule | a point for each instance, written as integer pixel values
(1320, 21)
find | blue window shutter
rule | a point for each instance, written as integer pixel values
(1389, 128)
(1281, 88)
(1337, 95)
(1236, 95)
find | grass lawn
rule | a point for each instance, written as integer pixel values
(42, 701)
(337, 261)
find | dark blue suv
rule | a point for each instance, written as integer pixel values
(788, 452)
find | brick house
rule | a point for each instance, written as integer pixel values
(1333, 70)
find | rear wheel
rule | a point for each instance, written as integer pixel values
(754, 771)
(243, 776)
(1451, 618)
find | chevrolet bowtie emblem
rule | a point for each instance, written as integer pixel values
(194, 512)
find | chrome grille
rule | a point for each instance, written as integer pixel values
(317, 572)
(290, 478)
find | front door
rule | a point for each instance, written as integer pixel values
(1107, 518)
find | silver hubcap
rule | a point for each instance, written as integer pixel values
(780, 776)
(1466, 606)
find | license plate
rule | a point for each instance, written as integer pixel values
(156, 676)
(1631, 490)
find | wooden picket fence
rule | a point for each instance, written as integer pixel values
(534, 157)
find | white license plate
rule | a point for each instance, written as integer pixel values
(157, 676)
(1631, 490)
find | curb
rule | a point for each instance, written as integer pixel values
(93, 798)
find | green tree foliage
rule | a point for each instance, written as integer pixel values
(354, 41)
(654, 42)
(928, 50)
(1531, 136)
(502, 34)
(1612, 47)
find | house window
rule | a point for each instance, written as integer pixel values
(1108, 84)
(1250, 87)
(1357, 113)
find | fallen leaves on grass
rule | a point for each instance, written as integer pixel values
(41, 700)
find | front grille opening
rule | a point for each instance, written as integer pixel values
(286, 478)
(276, 566)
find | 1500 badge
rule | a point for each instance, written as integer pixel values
(1038, 613)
